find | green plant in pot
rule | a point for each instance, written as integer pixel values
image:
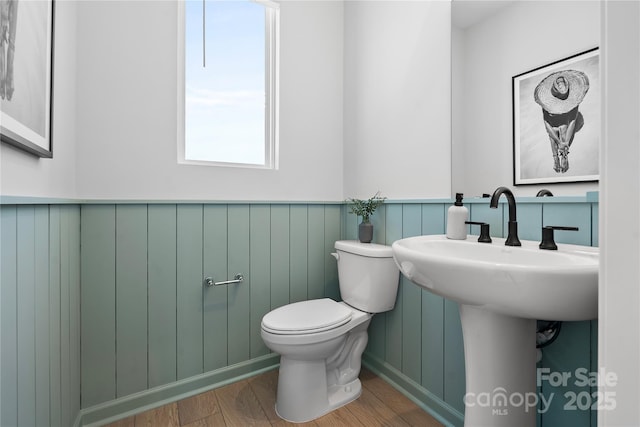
(364, 209)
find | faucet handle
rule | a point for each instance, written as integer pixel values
(484, 231)
(547, 236)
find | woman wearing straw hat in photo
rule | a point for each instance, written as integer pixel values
(559, 94)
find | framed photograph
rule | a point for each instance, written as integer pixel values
(556, 121)
(26, 60)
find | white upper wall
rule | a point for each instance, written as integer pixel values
(397, 99)
(115, 107)
(22, 174)
(522, 36)
(127, 108)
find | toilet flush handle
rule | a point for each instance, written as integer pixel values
(335, 255)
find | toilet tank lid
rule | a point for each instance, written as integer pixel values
(373, 250)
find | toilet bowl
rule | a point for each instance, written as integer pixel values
(318, 368)
(321, 341)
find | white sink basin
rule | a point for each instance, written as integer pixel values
(524, 282)
(500, 291)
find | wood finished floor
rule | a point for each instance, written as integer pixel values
(251, 402)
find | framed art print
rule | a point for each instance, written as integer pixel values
(556, 121)
(26, 58)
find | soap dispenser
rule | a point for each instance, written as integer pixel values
(457, 215)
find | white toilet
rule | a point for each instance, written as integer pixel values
(321, 341)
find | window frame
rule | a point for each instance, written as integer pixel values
(272, 74)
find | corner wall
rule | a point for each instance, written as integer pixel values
(397, 99)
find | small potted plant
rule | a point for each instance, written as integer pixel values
(364, 209)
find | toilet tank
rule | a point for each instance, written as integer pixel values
(368, 275)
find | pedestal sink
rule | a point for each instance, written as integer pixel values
(501, 291)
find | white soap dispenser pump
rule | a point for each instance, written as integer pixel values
(457, 215)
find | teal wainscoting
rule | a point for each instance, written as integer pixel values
(131, 274)
(40, 315)
(148, 323)
(418, 346)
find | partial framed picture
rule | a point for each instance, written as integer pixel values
(26, 59)
(556, 121)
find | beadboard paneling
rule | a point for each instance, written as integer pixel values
(26, 316)
(238, 302)
(147, 320)
(189, 293)
(161, 302)
(260, 273)
(215, 327)
(39, 332)
(143, 270)
(131, 298)
(98, 303)
(9, 313)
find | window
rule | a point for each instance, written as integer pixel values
(230, 80)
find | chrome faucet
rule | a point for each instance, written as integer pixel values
(512, 238)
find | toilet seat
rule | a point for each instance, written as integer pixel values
(306, 317)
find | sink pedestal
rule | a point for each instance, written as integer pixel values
(500, 290)
(500, 363)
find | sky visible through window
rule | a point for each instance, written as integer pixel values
(225, 99)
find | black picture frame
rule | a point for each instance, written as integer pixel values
(26, 77)
(547, 121)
